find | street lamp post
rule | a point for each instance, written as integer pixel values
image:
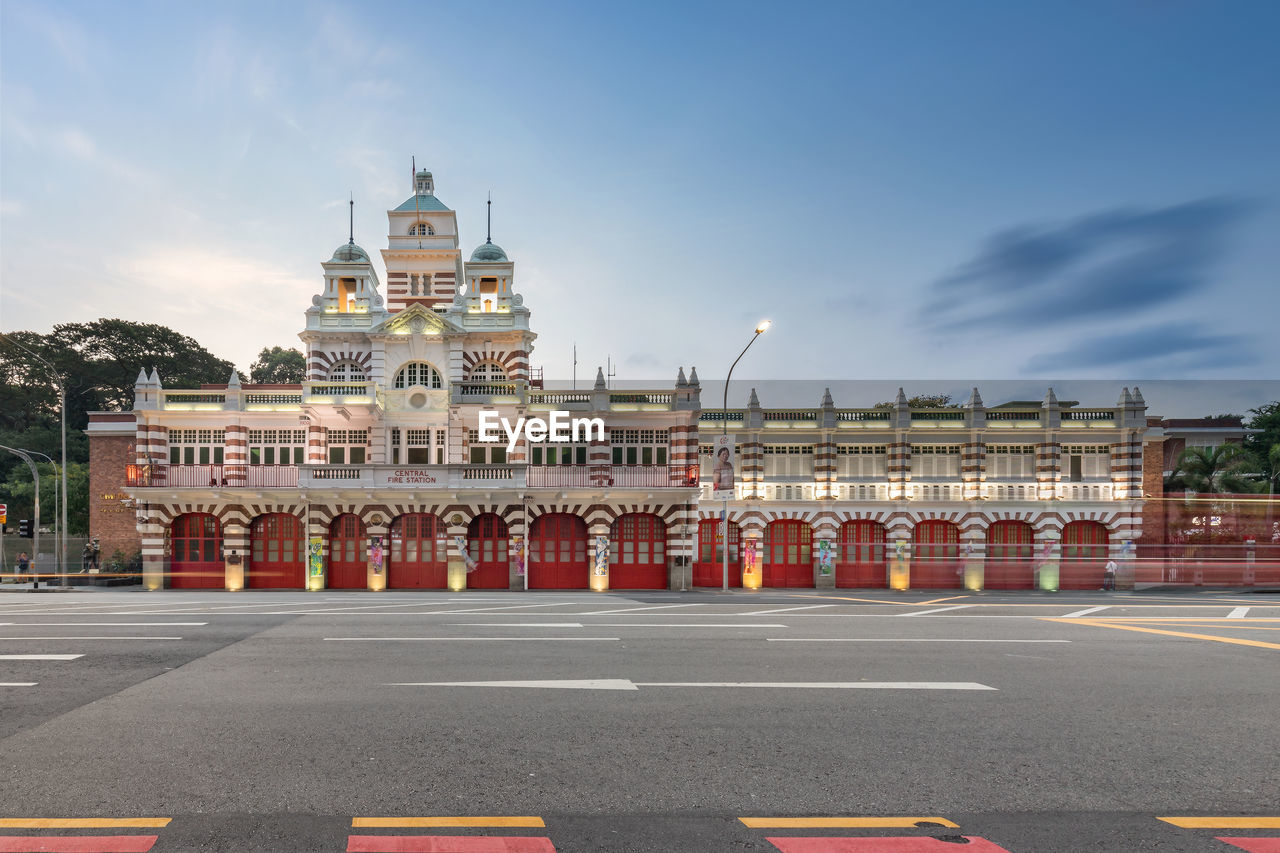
(58, 531)
(761, 328)
(62, 406)
(35, 531)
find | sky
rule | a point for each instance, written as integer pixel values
(929, 189)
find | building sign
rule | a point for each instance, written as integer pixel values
(408, 477)
(722, 462)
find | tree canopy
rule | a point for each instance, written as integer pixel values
(278, 366)
(924, 401)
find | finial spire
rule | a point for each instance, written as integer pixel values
(351, 238)
(488, 236)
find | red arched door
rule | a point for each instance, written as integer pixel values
(419, 558)
(348, 550)
(1010, 547)
(709, 569)
(788, 554)
(197, 553)
(935, 559)
(487, 545)
(277, 554)
(558, 552)
(861, 558)
(1084, 555)
(638, 552)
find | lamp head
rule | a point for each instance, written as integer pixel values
(763, 326)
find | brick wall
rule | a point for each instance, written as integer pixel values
(1153, 518)
(109, 519)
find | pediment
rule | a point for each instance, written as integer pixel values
(416, 320)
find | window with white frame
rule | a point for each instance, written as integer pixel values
(862, 461)
(1086, 462)
(277, 446)
(788, 461)
(347, 371)
(347, 446)
(937, 461)
(417, 447)
(418, 373)
(421, 229)
(487, 371)
(1011, 461)
(485, 452)
(196, 446)
(639, 446)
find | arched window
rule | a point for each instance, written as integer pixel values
(421, 229)
(488, 371)
(347, 371)
(418, 373)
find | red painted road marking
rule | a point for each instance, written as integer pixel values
(920, 844)
(447, 844)
(76, 843)
(1254, 845)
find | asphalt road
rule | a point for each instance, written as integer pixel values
(650, 721)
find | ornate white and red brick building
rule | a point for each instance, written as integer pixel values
(370, 473)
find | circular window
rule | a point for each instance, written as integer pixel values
(417, 399)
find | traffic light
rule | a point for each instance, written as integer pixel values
(24, 528)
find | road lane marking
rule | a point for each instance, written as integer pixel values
(898, 640)
(627, 684)
(871, 844)
(467, 821)
(1086, 611)
(508, 607)
(448, 844)
(1238, 613)
(1231, 640)
(687, 625)
(517, 624)
(935, 610)
(102, 624)
(40, 657)
(465, 639)
(638, 609)
(940, 600)
(83, 822)
(18, 683)
(1227, 822)
(99, 638)
(843, 822)
(77, 843)
(783, 610)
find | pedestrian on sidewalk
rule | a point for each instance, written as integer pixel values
(1109, 576)
(20, 567)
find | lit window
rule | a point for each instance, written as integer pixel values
(346, 371)
(418, 373)
(421, 229)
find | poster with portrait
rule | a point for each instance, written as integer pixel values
(826, 560)
(516, 552)
(376, 554)
(601, 564)
(750, 559)
(468, 560)
(723, 451)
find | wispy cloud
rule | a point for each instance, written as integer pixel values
(1174, 350)
(1118, 261)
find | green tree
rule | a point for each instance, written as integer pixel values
(1266, 419)
(924, 401)
(1225, 469)
(20, 495)
(278, 366)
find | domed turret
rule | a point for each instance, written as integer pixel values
(350, 253)
(489, 253)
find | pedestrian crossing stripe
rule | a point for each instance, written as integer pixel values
(844, 822)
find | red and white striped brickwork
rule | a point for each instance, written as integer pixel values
(320, 360)
(898, 467)
(1126, 467)
(824, 468)
(972, 461)
(237, 454)
(1048, 469)
(752, 455)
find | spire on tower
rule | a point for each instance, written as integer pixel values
(488, 236)
(352, 219)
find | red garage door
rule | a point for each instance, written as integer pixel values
(277, 556)
(638, 552)
(419, 559)
(861, 557)
(709, 569)
(788, 554)
(1084, 555)
(1010, 545)
(558, 552)
(935, 563)
(487, 545)
(197, 553)
(348, 566)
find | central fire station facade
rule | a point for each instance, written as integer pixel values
(371, 474)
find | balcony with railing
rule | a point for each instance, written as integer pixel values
(211, 476)
(613, 476)
(339, 393)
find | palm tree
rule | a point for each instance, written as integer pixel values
(1225, 469)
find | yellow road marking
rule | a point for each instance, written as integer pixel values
(1232, 640)
(1226, 626)
(841, 822)
(1223, 619)
(1223, 822)
(81, 822)
(470, 821)
(940, 600)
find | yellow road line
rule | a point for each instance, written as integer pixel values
(1232, 640)
(1223, 619)
(467, 821)
(81, 822)
(940, 600)
(1226, 626)
(841, 822)
(1223, 822)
